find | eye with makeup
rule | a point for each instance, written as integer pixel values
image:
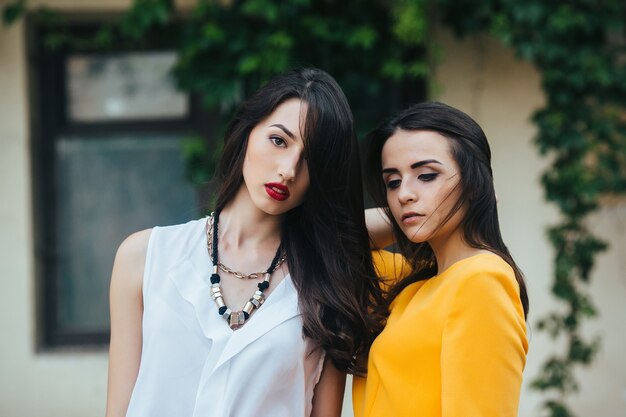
(278, 141)
(392, 183)
(428, 177)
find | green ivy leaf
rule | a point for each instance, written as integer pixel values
(13, 11)
(249, 64)
(362, 37)
(393, 69)
(410, 27)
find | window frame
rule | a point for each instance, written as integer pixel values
(49, 120)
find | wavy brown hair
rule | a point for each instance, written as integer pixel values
(325, 237)
(470, 150)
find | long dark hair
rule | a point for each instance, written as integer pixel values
(325, 237)
(470, 150)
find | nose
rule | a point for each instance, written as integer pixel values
(289, 166)
(406, 194)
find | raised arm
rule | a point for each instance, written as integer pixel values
(126, 305)
(379, 228)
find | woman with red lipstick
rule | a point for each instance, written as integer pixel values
(262, 307)
(455, 341)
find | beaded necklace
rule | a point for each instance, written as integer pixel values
(235, 319)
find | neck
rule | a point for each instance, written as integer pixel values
(244, 225)
(451, 249)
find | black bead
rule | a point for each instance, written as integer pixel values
(222, 310)
(215, 279)
(263, 285)
(246, 315)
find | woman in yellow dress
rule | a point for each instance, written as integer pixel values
(455, 341)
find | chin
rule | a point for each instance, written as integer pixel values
(417, 240)
(271, 209)
(274, 208)
(276, 212)
(419, 237)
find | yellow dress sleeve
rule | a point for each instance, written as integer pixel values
(484, 348)
(390, 267)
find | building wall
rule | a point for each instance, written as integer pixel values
(477, 75)
(68, 383)
(483, 78)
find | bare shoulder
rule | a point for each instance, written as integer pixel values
(135, 245)
(130, 259)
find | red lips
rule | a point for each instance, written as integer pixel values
(277, 191)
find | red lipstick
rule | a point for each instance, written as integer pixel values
(277, 191)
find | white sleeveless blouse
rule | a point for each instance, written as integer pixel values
(193, 364)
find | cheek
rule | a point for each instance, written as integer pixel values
(305, 173)
(304, 182)
(395, 207)
(449, 197)
(245, 169)
(303, 188)
(255, 162)
(249, 161)
(252, 150)
(446, 200)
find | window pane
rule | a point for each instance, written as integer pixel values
(130, 86)
(108, 188)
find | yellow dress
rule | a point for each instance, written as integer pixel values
(454, 345)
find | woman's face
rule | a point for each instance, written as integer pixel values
(421, 178)
(275, 172)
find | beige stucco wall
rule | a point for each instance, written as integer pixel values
(70, 383)
(42, 384)
(479, 76)
(483, 78)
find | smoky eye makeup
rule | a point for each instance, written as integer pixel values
(427, 177)
(393, 184)
(391, 181)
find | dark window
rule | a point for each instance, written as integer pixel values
(107, 132)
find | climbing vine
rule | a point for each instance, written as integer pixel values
(227, 49)
(579, 48)
(376, 51)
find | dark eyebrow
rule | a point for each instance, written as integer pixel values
(413, 166)
(284, 129)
